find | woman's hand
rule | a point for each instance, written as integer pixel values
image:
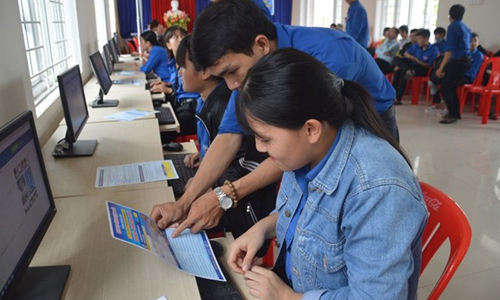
(192, 160)
(266, 285)
(163, 88)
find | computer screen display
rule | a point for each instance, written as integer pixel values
(73, 101)
(114, 50)
(117, 45)
(100, 72)
(26, 202)
(107, 58)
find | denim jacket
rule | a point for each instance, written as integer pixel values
(359, 235)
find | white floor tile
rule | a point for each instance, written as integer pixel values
(479, 286)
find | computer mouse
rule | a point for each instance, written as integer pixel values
(173, 147)
(217, 248)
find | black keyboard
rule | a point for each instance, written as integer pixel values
(216, 290)
(183, 171)
(165, 115)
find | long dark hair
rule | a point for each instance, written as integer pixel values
(288, 87)
(169, 33)
(150, 36)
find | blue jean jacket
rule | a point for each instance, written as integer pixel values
(359, 235)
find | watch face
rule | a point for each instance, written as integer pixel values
(226, 203)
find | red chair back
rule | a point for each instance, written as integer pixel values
(446, 221)
(494, 81)
(479, 78)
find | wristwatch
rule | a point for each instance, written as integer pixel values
(225, 202)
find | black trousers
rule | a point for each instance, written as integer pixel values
(405, 64)
(453, 73)
(384, 66)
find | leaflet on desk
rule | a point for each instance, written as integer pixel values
(130, 115)
(119, 175)
(190, 253)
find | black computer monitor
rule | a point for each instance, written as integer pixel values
(107, 59)
(76, 115)
(103, 79)
(26, 211)
(113, 51)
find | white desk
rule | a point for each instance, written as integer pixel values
(118, 143)
(171, 127)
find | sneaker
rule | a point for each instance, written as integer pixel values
(448, 120)
(409, 74)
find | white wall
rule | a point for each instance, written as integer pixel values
(15, 87)
(483, 19)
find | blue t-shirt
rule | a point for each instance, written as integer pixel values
(176, 81)
(304, 175)
(458, 40)
(201, 130)
(158, 62)
(441, 45)
(340, 53)
(428, 55)
(477, 60)
(357, 24)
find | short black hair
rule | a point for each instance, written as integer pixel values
(150, 36)
(474, 35)
(414, 30)
(424, 32)
(396, 29)
(440, 30)
(229, 25)
(154, 23)
(386, 29)
(457, 12)
(403, 28)
(183, 51)
(168, 35)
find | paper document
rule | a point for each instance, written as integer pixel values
(127, 73)
(188, 252)
(130, 115)
(135, 173)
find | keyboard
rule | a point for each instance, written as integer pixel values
(183, 171)
(165, 115)
(216, 290)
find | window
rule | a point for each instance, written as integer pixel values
(414, 13)
(320, 13)
(47, 43)
(100, 16)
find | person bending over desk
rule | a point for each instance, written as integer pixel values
(350, 214)
(247, 36)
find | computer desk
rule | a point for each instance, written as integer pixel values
(118, 143)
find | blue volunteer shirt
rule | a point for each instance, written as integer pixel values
(458, 40)
(340, 53)
(428, 55)
(176, 81)
(441, 45)
(357, 24)
(477, 60)
(158, 62)
(304, 175)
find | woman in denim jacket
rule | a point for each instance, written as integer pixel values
(350, 214)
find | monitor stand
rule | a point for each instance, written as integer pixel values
(79, 148)
(99, 102)
(42, 283)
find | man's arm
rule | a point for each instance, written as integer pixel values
(206, 213)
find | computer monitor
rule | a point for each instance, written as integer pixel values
(107, 59)
(76, 115)
(103, 79)
(114, 51)
(26, 211)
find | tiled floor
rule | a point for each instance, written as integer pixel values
(462, 160)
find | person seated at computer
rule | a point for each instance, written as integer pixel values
(416, 62)
(157, 59)
(338, 219)
(387, 51)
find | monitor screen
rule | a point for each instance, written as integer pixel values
(73, 102)
(100, 72)
(117, 45)
(107, 58)
(26, 202)
(114, 50)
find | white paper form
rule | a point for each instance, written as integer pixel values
(190, 253)
(119, 175)
(130, 115)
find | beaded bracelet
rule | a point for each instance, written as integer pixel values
(233, 195)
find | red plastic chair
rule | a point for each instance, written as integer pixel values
(477, 82)
(417, 82)
(452, 224)
(488, 91)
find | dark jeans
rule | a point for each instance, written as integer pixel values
(453, 73)
(405, 64)
(384, 66)
(389, 119)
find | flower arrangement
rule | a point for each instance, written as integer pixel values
(176, 18)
